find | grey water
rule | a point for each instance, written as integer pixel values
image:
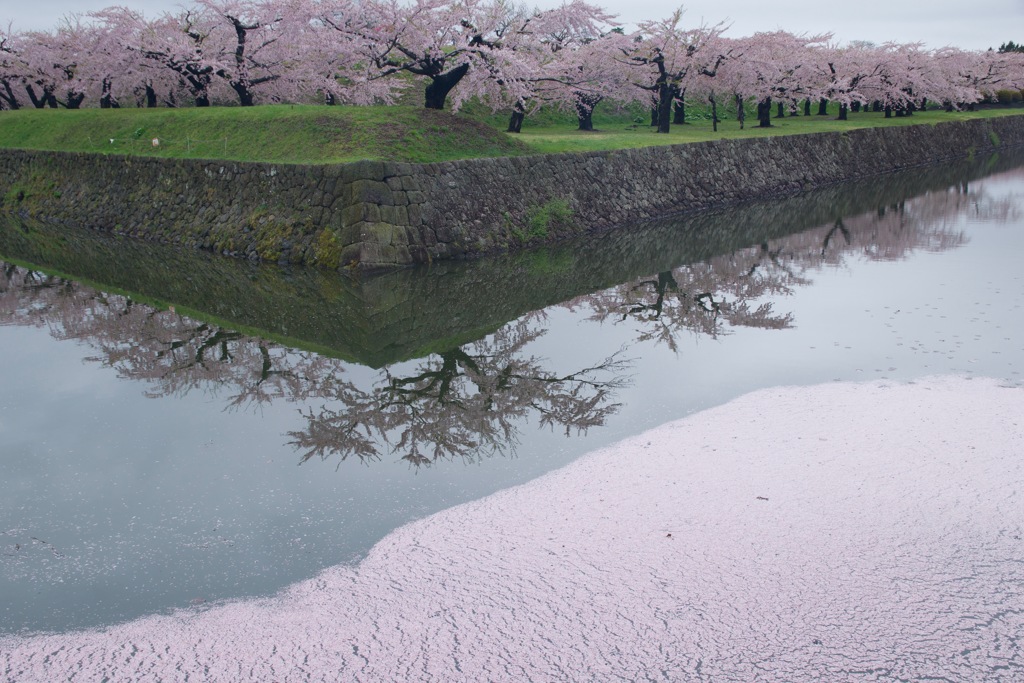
(178, 429)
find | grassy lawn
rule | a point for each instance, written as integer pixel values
(275, 133)
(319, 134)
(563, 137)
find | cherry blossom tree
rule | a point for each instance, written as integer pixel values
(105, 71)
(177, 43)
(977, 74)
(732, 81)
(494, 51)
(903, 73)
(777, 65)
(240, 44)
(122, 70)
(332, 57)
(952, 63)
(591, 74)
(672, 57)
(54, 75)
(848, 73)
(443, 42)
(247, 52)
(567, 61)
(12, 69)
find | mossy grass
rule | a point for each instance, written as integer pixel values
(319, 134)
(609, 135)
(552, 214)
(274, 133)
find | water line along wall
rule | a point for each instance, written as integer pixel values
(375, 214)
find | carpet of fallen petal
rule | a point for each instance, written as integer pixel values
(841, 532)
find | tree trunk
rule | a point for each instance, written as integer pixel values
(441, 85)
(666, 94)
(106, 99)
(515, 120)
(37, 101)
(585, 120)
(842, 112)
(855, 106)
(245, 97)
(654, 116)
(714, 112)
(764, 113)
(679, 112)
(822, 107)
(807, 107)
(150, 97)
(74, 100)
(8, 98)
(679, 108)
(888, 111)
(924, 104)
(202, 100)
(585, 105)
(781, 112)
(741, 113)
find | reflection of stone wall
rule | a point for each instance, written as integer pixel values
(383, 318)
(379, 214)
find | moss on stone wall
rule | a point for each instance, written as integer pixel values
(327, 249)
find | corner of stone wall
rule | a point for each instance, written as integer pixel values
(377, 215)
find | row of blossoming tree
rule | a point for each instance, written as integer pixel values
(506, 55)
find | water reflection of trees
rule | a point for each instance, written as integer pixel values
(742, 289)
(702, 298)
(474, 399)
(466, 402)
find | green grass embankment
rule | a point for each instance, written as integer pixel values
(565, 138)
(275, 133)
(319, 134)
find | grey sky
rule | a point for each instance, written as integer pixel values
(978, 24)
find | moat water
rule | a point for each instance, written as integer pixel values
(178, 429)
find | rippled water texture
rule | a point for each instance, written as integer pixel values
(177, 430)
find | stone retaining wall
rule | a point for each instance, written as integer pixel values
(374, 214)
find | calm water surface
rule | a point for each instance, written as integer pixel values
(177, 429)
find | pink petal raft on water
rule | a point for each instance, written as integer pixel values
(830, 533)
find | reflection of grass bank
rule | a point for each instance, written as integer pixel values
(317, 134)
(102, 290)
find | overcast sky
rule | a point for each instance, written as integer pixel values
(970, 24)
